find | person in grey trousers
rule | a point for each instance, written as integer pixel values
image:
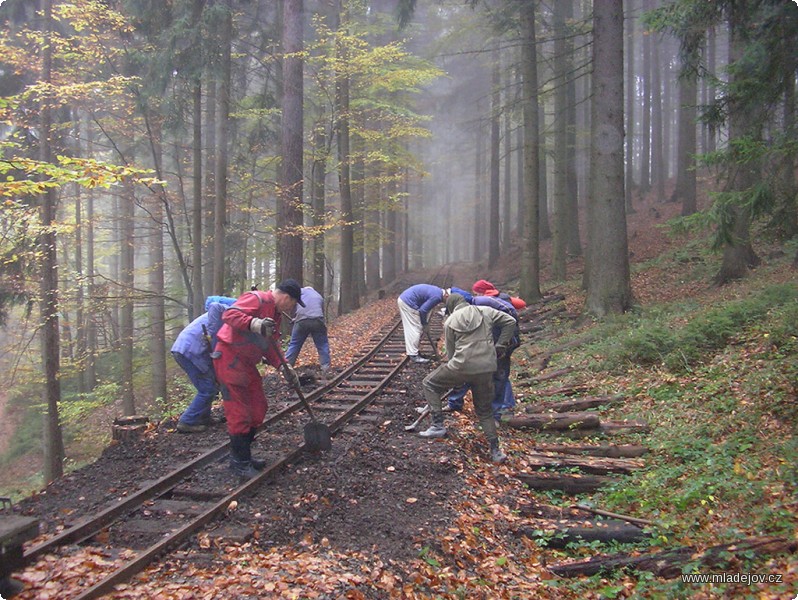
(468, 334)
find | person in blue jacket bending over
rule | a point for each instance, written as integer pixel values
(192, 351)
(415, 304)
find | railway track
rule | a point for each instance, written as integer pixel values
(161, 515)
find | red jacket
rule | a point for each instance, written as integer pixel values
(251, 347)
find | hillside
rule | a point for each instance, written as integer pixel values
(710, 371)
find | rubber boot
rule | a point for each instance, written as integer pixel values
(256, 463)
(241, 457)
(496, 454)
(436, 428)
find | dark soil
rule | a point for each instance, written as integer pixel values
(374, 492)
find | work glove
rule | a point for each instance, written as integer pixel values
(290, 375)
(264, 327)
(501, 351)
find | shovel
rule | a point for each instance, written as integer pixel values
(436, 354)
(317, 434)
(415, 423)
(424, 412)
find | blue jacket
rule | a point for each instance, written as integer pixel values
(506, 307)
(464, 293)
(191, 342)
(423, 297)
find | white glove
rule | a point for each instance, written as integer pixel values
(264, 327)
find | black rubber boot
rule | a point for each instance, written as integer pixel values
(256, 463)
(241, 457)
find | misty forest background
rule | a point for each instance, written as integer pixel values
(154, 152)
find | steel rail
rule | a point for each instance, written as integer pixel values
(88, 527)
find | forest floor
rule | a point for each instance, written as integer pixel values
(387, 514)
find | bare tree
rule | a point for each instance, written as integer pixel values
(609, 286)
(50, 342)
(495, 115)
(289, 209)
(530, 259)
(222, 151)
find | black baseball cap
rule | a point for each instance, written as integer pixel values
(292, 288)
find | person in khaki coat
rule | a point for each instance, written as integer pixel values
(468, 334)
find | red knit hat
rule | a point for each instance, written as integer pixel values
(484, 288)
(518, 303)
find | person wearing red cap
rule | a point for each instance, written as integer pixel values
(484, 288)
(250, 333)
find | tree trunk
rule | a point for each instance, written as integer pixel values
(210, 185)
(289, 211)
(554, 421)
(573, 236)
(317, 191)
(346, 300)
(658, 174)
(519, 166)
(605, 531)
(530, 259)
(80, 319)
(157, 314)
(479, 219)
(372, 230)
(495, 160)
(90, 373)
(196, 297)
(508, 176)
(561, 73)
(609, 285)
(645, 128)
(50, 343)
(126, 283)
(738, 254)
(631, 96)
(543, 186)
(685, 159)
(568, 483)
(389, 254)
(671, 563)
(220, 172)
(358, 217)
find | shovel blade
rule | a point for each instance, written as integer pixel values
(317, 437)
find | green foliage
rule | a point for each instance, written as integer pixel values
(680, 345)
(82, 406)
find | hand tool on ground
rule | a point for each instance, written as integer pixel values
(436, 354)
(423, 412)
(317, 434)
(421, 417)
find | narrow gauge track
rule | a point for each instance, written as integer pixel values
(157, 518)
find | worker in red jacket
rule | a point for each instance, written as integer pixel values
(250, 333)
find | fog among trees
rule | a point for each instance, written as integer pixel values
(155, 152)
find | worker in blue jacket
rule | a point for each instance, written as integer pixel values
(192, 351)
(415, 304)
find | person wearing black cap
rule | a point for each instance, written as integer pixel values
(309, 321)
(250, 333)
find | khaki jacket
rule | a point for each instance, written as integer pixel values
(469, 338)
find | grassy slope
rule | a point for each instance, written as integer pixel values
(715, 372)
